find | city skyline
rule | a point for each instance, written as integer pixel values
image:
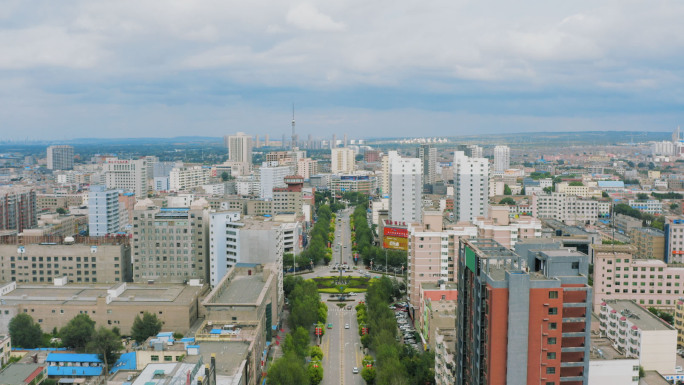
(142, 70)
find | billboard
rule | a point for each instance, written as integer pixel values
(396, 243)
(399, 232)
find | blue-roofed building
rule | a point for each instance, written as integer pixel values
(74, 365)
(611, 185)
(127, 361)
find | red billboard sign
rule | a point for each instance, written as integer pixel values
(398, 232)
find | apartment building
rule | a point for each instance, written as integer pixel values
(502, 159)
(365, 184)
(103, 211)
(565, 208)
(406, 189)
(519, 324)
(471, 187)
(60, 158)
(445, 351)
(649, 206)
(342, 160)
(170, 244)
(607, 365)
(307, 167)
(649, 243)
(240, 148)
(427, 153)
(18, 209)
(505, 230)
(649, 282)
(640, 334)
(188, 177)
(127, 174)
(51, 202)
(272, 177)
(679, 322)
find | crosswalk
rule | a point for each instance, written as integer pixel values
(335, 309)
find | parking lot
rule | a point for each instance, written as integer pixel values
(407, 333)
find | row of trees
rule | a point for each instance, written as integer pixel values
(362, 236)
(306, 310)
(396, 364)
(81, 334)
(657, 222)
(318, 250)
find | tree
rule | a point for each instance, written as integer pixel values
(289, 284)
(106, 344)
(287, 370)
(548, 189)
(315, 373)
(507, 201)
(316, 353)
(674, 206)
(145, 327)
(61, 210)
(576, 183)
(25, 333)
(297, 342)
(77, 332)
(604, 194)
(225, 176)
(368, 375)
(507, 190)
(642, 196)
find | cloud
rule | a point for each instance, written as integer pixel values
(307, 17)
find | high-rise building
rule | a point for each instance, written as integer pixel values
(307, 167)
(272, 177)
(502, 159)
(427, 153)
(385, 179)
(170, 244)
(103, 211)
(239, 148)
(342, 160)
(473, 151)
(188, 177)
(346, 141)
(406, 189)
(17, 209)
(471, 187)
(333, 144)
(519, 324)
(60, 158)
(674, 240)
(126, 174)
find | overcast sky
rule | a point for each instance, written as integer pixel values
(369, 68)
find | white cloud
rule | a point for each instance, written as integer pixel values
(307, 17)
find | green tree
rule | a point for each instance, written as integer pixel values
(576, 183)
(548, 189)
(315, 373)
(77, 332)
(368, 375)
(287, 370)
(289, 284)
(316, 353)
(507, 190)
(61, 210)
(145, 327)
(106, 344)
(507, 201)
(24, 332)
(297, 342)
(642, 196)
(674, 206)
(225, 176)
(322, 312)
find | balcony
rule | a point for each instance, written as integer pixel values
(572, 364)
(572, 349)
(576, 319)
(572, 379)
(574, 334)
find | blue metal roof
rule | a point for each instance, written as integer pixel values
(165, 334)
(73, 357)
(125, 362)
(611, 183)
(74, 370)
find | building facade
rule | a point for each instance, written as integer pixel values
(188, 177)
(502, 159)
(239, 148)
(17, 209)
(60, 158)
(471, 187)
(342, 160)
(427, 153)
(103, 211)
(127, 174)
(406, 189)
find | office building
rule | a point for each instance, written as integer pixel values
(674, 240)
(505, 230)
(366, 184)
(565, 208)
(307, 167)
(502, 159)
(51, 202)
(170, 244)
(342, 160)
(649, 282)
(17, 209)
(239, 148)
(113, 305)
(471, 187)
(649, 206)
(103, 211)
(272, 177)
(427, 154)
(126, 174)
(520, 324)
(640, 334)
(406, 189)
(473, 151)
(188, 177)
(60, 158)
(289, 200)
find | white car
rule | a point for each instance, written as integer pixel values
(346, 326)
(355, 370)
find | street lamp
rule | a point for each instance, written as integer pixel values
(385, 261)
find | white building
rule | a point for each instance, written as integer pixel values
(385, 179)
(565, 208)
(188, 177)
(307, 167)
(445, 348)
(342, 160)
(126, 174)
(474, 151)
(640, 334)
(248, 185)
(272, 177)
(650, 206)
(674, 233)
(471, 187)
(427, 153)
(663, 148)
(60, 158)
(502, 159)
(406, 189)
(233, 239)
(103, 211)
(239, 148)
(609, 366)
(161, 183)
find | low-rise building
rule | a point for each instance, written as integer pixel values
(437, 310)
(53, 306)
(74, 365)
(445, 347)
(649, 243)
(609, 366)
(507, 231)
(640, 334)
(649, 206)
(24, 374)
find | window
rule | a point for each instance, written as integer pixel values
(553, 294)
(154, 358)
(553, 310)
(551, 340)
(551, 370)
(551, 355)
(553, 326)
(168, 358)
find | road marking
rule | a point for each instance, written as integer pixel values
(341, 350)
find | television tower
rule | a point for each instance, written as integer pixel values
(294, 137)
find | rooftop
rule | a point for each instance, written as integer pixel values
(650, 231)
(602, 349)
(652, 377)
(158, 374)
(17, 373)
(241, 289)
(639, 316)
(229, 355)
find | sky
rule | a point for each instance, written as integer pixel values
(381, 68)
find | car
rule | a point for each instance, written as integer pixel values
(678, 369)
(355, 370)
(349, 307)
(330, 325)
(346, 326)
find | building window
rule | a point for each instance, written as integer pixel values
(551, 340)
(553, 310)
(553, 326)
(553, 294)
(551, 370)
(154, 358)
(551, 355)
